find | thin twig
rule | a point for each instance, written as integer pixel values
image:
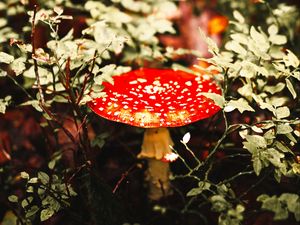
(36, 71)
(123, 177)
(21, 87)
(255, 184)
(88, 75)
(219, 141)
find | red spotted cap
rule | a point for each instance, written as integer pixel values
(152, 98)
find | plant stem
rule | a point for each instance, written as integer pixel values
(36, 72)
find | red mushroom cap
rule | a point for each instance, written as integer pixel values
(152, 98)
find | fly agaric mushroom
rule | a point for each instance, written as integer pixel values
(155, 99)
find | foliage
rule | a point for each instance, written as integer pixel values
(61, 52)
(281, 206)
(52, 195)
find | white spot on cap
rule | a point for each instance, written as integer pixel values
(157, 83)
(125, 107)
(133, 82)
(157, 104)
(188, 83)
(132, 92)
(116, 113)
(101, 108)
(116, 105)
(141, 80)
(114, 99)
(145, 102)
(184, 90)
(152, 97)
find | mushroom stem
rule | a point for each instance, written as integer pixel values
(156, 145)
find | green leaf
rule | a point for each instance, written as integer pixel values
(3, 73)
(291, 88)
(6, 58)
(291, 137)
(238, 16)
(219, 203)
(291, 59)
(274, 157)
(241, 38)
(236, 47)
(257, 36)
(295, 74)
(218, 99)
(257, 165)
(4, 103)
(212, 46)
(35, 104)
(198, 190)
(282, 112)
(51, 164)
(18, 65)
(273, 29)
(194, 192)
(282, 147)
(46, 214)
(29, 189)
(248, 69)
(278, 39)
(43, 177)
(284, 129)
(262, 198)
(13, 198)
(32, 211)
(275, 89)
(241, 105)
(33, 180)
(25, 202)
(24, 175)
(291, 200)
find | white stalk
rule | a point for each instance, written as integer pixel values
(156, 145)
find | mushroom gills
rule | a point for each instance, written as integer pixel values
(156, 145)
